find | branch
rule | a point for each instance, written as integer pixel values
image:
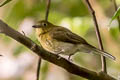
(70, 67)
(116, 7)
(103, 60)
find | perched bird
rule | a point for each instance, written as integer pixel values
(60, 40)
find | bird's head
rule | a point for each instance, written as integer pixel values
(43, 26)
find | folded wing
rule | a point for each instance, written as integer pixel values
(65, 35)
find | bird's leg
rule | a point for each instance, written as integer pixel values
(58, 53)
(70, 57)
(58, 56)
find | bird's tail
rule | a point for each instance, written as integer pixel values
(105, 54)
(98, 51)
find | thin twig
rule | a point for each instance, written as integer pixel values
(7, 1)
(103, 60)
(23, 33)
(38, 68)
(116, 7)
(47, 9)
(46, 18)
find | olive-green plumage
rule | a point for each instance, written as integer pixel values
(59, 40)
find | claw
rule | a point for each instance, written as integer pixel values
(58, 54)
(59, 57)
(70, 57)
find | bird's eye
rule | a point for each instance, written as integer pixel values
(44, 24)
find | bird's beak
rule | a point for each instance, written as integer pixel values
(36, 26)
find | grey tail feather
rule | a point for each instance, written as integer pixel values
(107, 55)
(98, 51)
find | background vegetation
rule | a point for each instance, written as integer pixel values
(19, 63)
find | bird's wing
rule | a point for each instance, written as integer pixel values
(65, 35)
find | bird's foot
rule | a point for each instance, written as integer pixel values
(59, 57)
(69, 57)
(58, 54)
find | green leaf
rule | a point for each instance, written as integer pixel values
(7, 1)
(117, 13)
(114, 32)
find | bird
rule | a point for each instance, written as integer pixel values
(60, 40)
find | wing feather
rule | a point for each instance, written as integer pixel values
(65, 35)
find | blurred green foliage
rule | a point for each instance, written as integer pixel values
(19, 49)
(44, 70)
(115, 33)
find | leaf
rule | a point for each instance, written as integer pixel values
(7, 1)
(117, 13)
(114, 33)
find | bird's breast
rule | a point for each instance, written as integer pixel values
(47, 42)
